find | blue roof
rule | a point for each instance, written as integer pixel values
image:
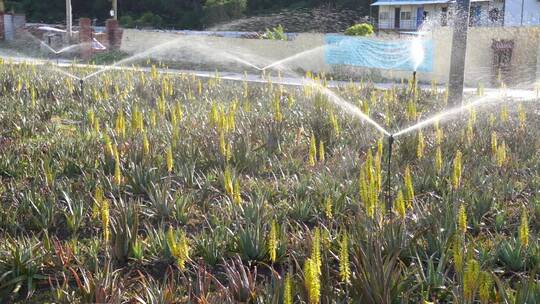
(409, 2)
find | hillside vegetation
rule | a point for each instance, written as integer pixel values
(200, 14)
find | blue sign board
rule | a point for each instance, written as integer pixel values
(404, 55)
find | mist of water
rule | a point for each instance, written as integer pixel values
(63, 72)
(283, 65)
(294, 57)
(417, 53)
(345, 106)
(341, 103)
(500, 97)
(200, 48)
(46, 64)
(326, 18)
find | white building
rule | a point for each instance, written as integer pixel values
(522, 12)
(407, 15)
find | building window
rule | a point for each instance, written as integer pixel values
(494, 15)
(444, 16)
(474, 15)
(384, 15)
(405, 15)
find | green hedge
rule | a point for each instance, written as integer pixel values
(362, 29)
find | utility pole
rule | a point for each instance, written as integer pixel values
(459, 50)
(522, 10)
(69, 21)
(115, 9)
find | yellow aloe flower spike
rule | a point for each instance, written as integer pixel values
(273, 241)
(344, 267)
(524, 229)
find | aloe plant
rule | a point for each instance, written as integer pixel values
(164, 187)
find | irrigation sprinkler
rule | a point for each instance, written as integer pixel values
(389, 174)
(81, 86)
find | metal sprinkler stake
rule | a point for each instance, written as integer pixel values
(81, 84)
(389, 175)
(414, 82)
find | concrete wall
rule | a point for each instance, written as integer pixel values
(11, 23)
(211, 51)
(222, 51)
(478, 63)
(9, 28)
(19, 21)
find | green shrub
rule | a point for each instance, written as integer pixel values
(276, 33)
(361, 29)
(216, 11)
(108, 57)
(13, 6)
(149, 19)
(127, 21)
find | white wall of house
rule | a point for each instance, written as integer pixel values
(514, 9)
(483, 13)
(409, 15)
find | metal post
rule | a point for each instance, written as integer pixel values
(414, 84)
(69, 21)
(522, 10)
(459, 50)
(370, 11)
(81, 84)
(389, 175)
(115, 9)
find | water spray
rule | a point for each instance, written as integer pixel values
(389, 174)
(417, 54)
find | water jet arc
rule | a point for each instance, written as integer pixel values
(459, 109)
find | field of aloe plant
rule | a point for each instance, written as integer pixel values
(162, 188)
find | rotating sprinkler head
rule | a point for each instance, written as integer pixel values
(390, 141)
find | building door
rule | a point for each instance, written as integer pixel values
(419, 16)
(502, 61)
(397, 17)
(474, 16)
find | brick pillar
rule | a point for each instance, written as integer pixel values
(114, 34)
(85, 37)
(2, 30)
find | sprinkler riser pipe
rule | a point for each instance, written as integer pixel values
(81, 84)
(414, 82)
(389, 175)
